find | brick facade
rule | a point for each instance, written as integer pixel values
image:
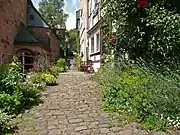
(48, 37)
(41, 34)
(13, 13)
(55, 45)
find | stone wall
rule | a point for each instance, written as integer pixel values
(12, 12)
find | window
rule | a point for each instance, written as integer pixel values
(81, 13)
(31, 17)
(95, 3)
(92, 44)
(97, 42)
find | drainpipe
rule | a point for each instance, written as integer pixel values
(23, 62)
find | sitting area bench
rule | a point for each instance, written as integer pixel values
(86, 66)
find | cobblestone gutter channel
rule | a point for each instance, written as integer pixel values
(72, 108)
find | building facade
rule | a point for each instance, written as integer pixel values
(23, 30)
(90, 32)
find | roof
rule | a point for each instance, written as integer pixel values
(50, 27)
(25, 36)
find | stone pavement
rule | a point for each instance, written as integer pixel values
(71, 108)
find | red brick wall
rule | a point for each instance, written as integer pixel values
(12, 12)
(35, 48)
(55, 45)
(41, 33)
(45, 34)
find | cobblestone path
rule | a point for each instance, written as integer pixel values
(71, 108)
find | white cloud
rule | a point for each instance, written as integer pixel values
(74, 4)
(71, 21)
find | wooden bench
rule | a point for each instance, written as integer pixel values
(86, 66)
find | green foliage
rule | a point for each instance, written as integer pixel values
(48, 79)
(10, 77)
(72, 37)
(55, 70)
(154, 122)
(151, 33)
(61, 63)
(52, 12)
(151, 97)
(30, 95)
(5, 122)
(35, 78)
(15, 96)
(39, 78)
(78, 60)
(11, 104)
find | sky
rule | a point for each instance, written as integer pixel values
(70, 7)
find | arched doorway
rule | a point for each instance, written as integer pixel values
(28, 57)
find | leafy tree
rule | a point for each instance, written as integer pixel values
(52, 11)
(72, 36)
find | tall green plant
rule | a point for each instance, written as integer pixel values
(151, 98)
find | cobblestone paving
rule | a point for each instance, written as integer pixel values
(71, 108)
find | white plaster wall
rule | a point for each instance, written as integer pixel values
(96, 66)
(95, 58)
(83, 27)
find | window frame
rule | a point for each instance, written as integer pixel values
(31, 17)
(98, 46)
(92, 45)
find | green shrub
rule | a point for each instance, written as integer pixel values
(10, 77)
(140, 92)
(5, 123)
(35, 78)
(78, 60)
(49, 79)
(15, 95)
(154, 122)
(62, 64)
(150, 32)
(40, 78)
(55, 70)
(11, 104)
(30, 95)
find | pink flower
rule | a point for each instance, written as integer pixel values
(32, 69)
(112, 39)
(143, 3)
(138, 5)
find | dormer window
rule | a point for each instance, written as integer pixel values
(31, 17)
